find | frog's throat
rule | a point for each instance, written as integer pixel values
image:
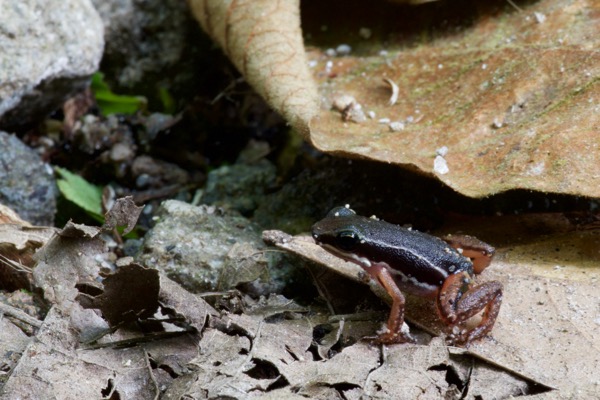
(348, 256)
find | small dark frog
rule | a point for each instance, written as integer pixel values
(401, 259)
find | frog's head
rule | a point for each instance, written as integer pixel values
(343, 233)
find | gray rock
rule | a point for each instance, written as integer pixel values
(240, 186)
(47, 52)
(203, 249)
(27, 184)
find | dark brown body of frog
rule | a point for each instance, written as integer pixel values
(419, 263)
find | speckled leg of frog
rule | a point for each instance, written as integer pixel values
(477, 250)
(456, 305)
(393, 331)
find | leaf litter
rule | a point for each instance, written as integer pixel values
(273, 347)
(56, 363)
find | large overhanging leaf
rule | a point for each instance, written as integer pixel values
(508, 101)
(264, 40)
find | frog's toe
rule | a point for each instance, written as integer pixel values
(387, 337)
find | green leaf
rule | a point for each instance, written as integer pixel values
(81, 192)
(111, 103)
(168, 102)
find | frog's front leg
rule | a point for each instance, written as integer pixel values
(393, 330)
(457, 305)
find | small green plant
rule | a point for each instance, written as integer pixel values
(168, 102)
(111, 103)
(82, 193)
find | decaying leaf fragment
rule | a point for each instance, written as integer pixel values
(124, 212)
(9, 216)
(129, 294)
(18, 243)
(53, 367)
(70, 257)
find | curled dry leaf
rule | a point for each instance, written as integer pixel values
(68, 258)
(9, 216)
(264, 40)
(52, 366)
(18, 243)
(79, 231)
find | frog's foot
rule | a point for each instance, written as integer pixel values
(458, 336)
(462, 337)
(385, 336)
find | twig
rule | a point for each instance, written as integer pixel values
(20, 315)
(516, 7)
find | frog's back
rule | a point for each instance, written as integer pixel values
(414, 254)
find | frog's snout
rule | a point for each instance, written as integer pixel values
(316, 233)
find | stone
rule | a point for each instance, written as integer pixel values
(47, 52)
(27, 183)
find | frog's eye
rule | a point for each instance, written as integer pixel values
(347, 240)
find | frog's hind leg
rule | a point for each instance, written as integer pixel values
(456, 305)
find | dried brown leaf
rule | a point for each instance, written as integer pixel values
(68, 258)
(52, 367)
(195, 310)
(130, 293)
(73, 230)
(9, 216)
(24, 237)
(507, 99)
(12, 343)
(123, 213)
(547, 329)
(263, 39)
(18, 243)
(512, 99)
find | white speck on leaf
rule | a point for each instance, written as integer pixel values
(536, 169)
(539, 17)
(440, 165)
(343, 101)
(396, 126)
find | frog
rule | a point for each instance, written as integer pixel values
(404, 260)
